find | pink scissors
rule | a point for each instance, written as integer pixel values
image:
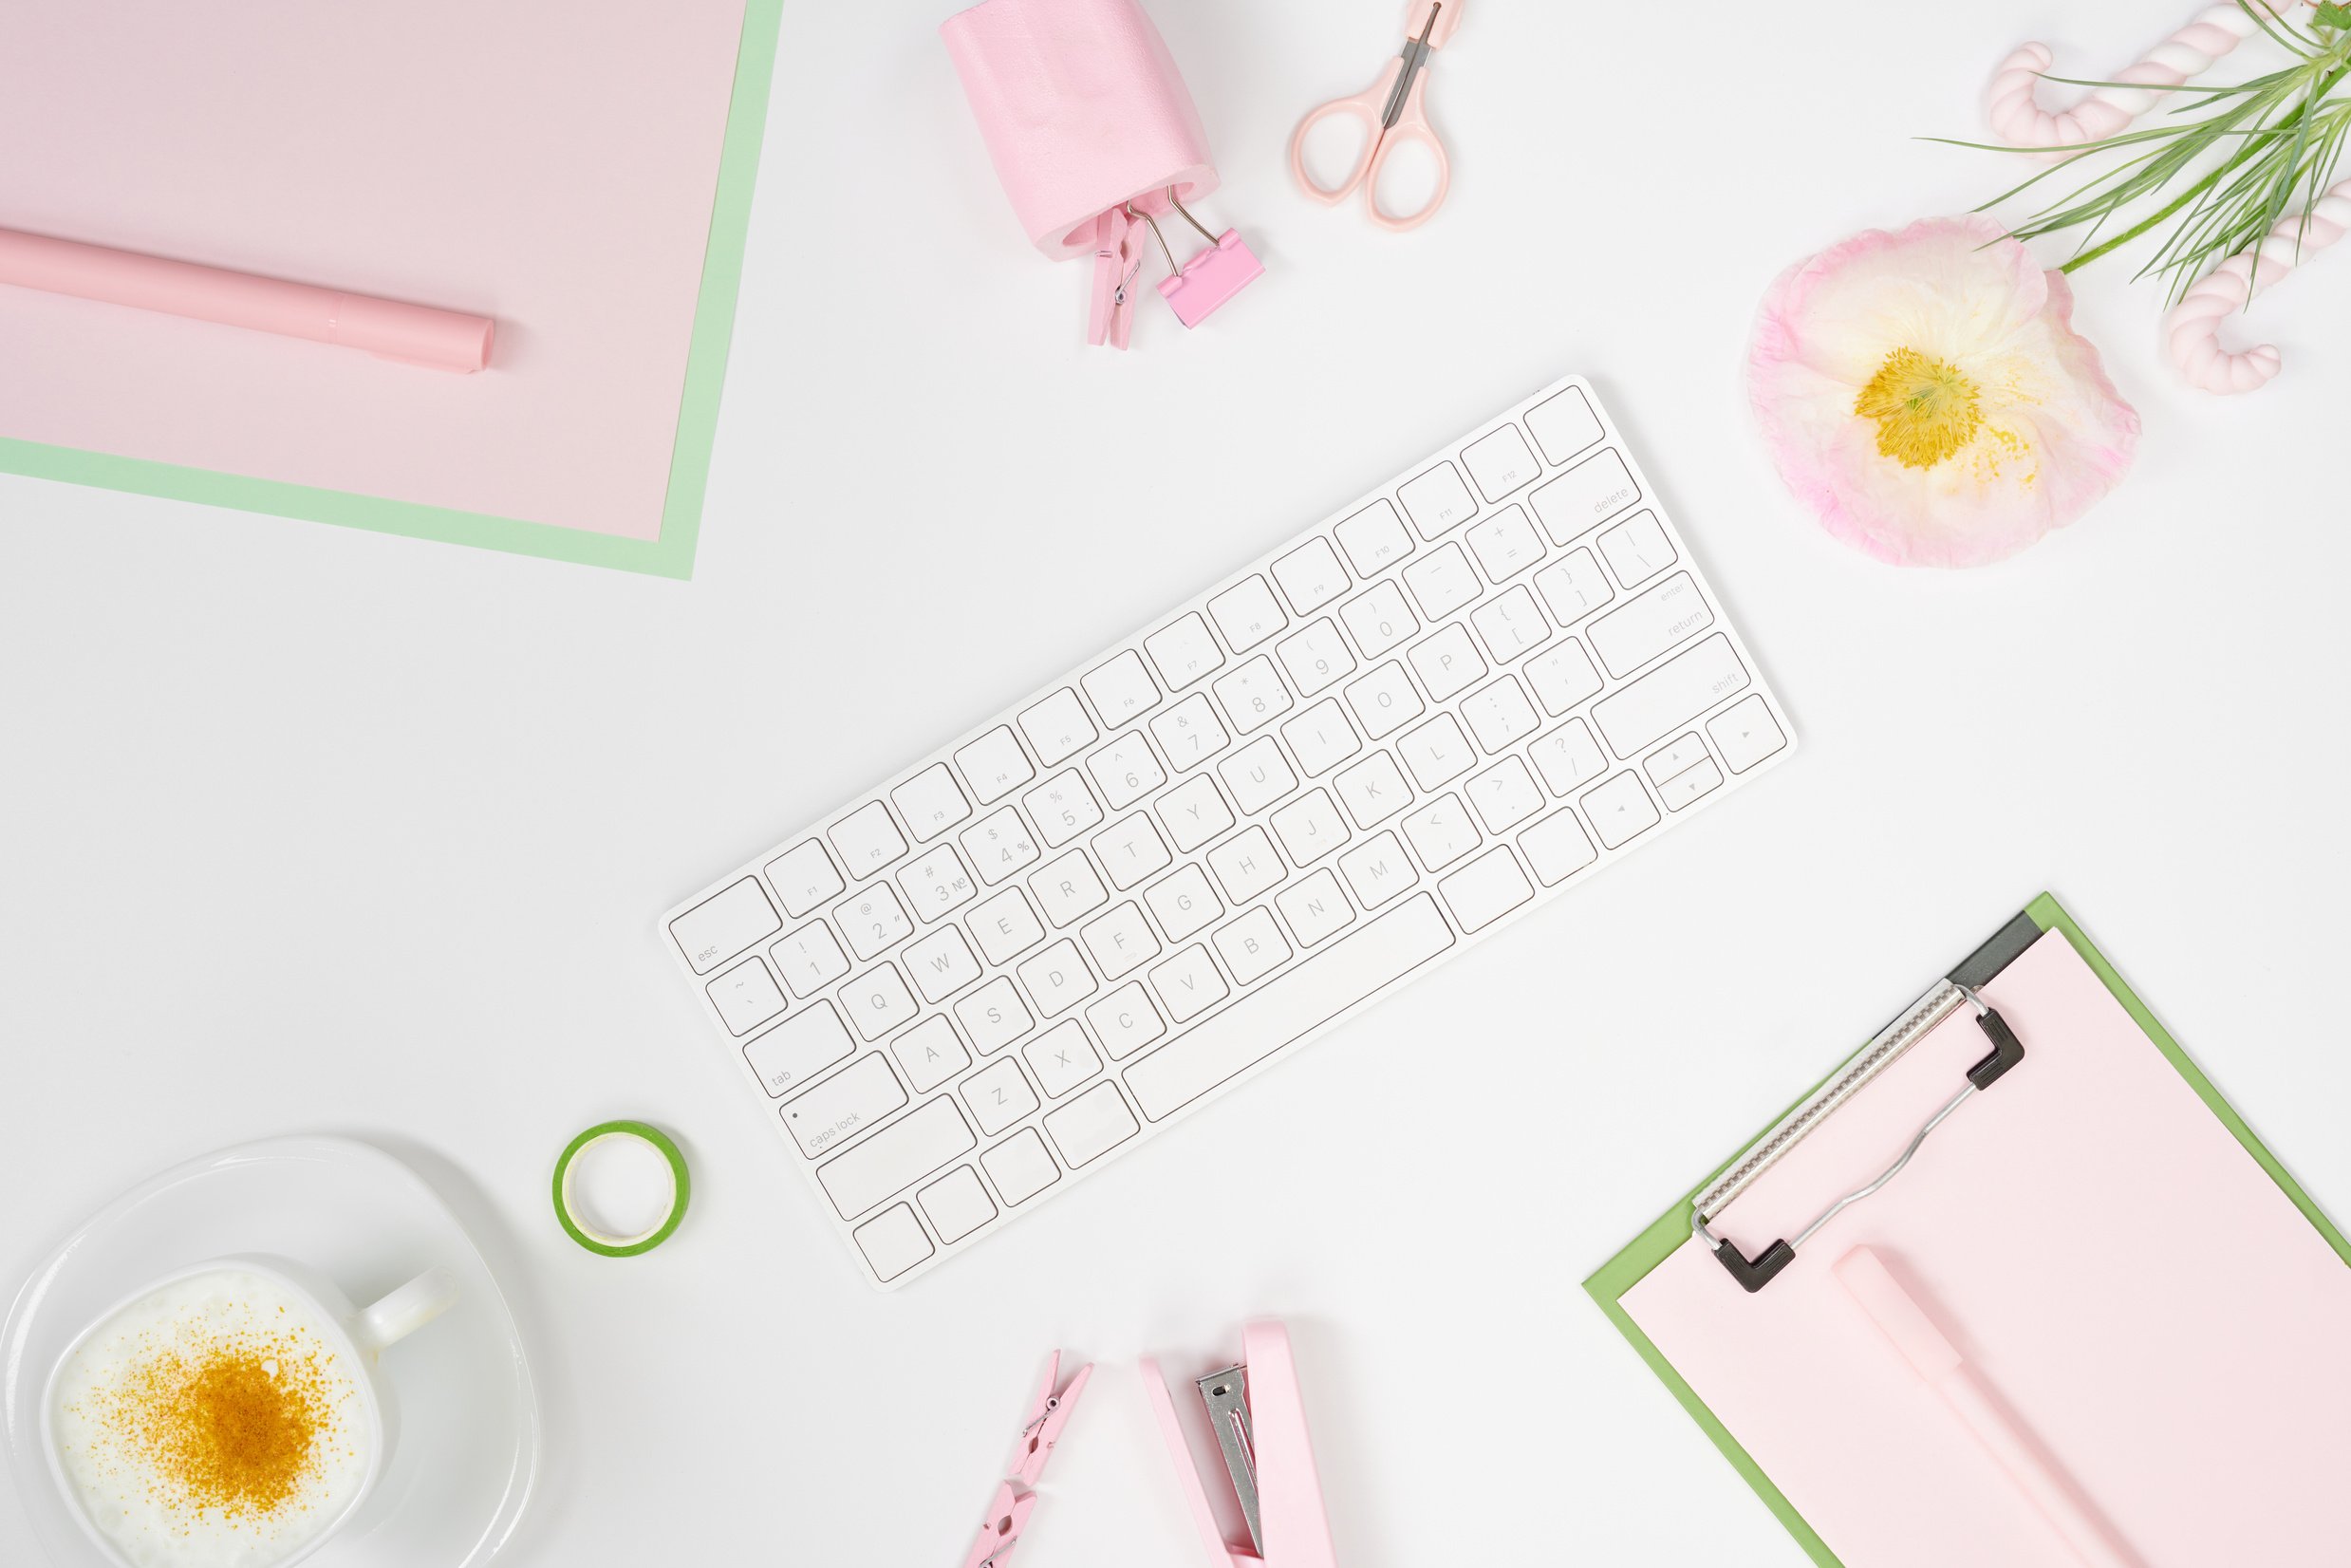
(1392, 113)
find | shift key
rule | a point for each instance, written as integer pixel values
(924, 1140)
(1670, 697)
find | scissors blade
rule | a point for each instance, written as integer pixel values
(1415, 56)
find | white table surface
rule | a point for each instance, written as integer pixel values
(306, 828)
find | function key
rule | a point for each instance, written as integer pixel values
(1247, 613)
(1057, 727)
(1374, 538)
(931, 802)
(994, 765)
(867, 839)
(804, 876)
(1437, 500)
(1501, 463)
(1121, 689)
(1183, 650)
(1563, 425)
(1311, 575)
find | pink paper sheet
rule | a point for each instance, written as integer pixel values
(2144, 1299)
(547, 162)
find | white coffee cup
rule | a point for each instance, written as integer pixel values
(354, 1335)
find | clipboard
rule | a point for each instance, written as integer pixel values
(2160, 1315)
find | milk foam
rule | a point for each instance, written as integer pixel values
(148, 1515)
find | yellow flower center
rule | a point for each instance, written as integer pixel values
(1926, 408)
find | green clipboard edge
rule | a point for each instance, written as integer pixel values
(1629, 1267)
(669, 554)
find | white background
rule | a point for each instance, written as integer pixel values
(306, 829)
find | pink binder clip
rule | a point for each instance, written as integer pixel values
(1195, 289)
(1260, 1418)
(1009, 1509)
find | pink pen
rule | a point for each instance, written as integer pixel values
(414, 334)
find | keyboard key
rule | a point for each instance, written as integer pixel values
(994, 765)
(1374, 539)
(1253, 946)
(1442, 582)
(867, 839)
(892, 1243)
(930, 1053)
(998, 845)
(957, 1204)
(1004, 925)
(1563, 425)
(1315, 657)
(1383, 701)
(998, 1096)
(1189, 983)
(1258, 775)
(1121, 938)
(1633, 717)
(928, 1138)
(994, 1015)
(1504, 796)
(1062, 808)
(1574, 587)
(849, 1102)
(1568, 756)
(1485, 889)
(1746, 733)
(1504, 543)
(1130, 850)
(1247, 613)
(1311, 575)
(1310, 827)
(1124, 1021)
(1091, 1125)
(1685, 787)
(874, 922)
(936, 883)
(1321, 988)
(1510, 624)
(724, 925)
(746, 995)
(1184, 902)
(1321, 738)
(1441, 833)
(799, 1048)
(1437, 753)
(1061, 1059)
(1314, 908)
(1500, 715)
(1556, 848)
(1020, 1167)
(1685, 751)
(1193, 813)
(1246, 865)
(1563, 676)
(877, 1002)
(1594, 491)
(941, 963)
(1437, 500)
(1057, 727)
(1636, 548)
(1253, 694)
(1183, 650)
(1447, 663)
(1620, 809)
(1670, 613)
(1121, 689)
(809, 959)
(1191, 733)
(1500, 462)
(1378, 619)
(1373, 790)
(931, 802)
(1126, 770)
(1378, 871)
(803, 877)
(1057, 979)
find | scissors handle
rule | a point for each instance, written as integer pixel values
(1411, 125)
(1366, 106)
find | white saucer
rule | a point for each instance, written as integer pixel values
(468, 1447)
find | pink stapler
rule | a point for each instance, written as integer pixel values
(1014, 1500)
(1259, 1419)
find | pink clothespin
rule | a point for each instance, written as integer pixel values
(1115, 264)
(1260, 1418)
(1195, 289)
(1009, 1509)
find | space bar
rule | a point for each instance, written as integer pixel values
(1281, 1011)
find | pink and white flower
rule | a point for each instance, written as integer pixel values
(1924, 393)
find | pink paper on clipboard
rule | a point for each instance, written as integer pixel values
(549, 163)
(2143, 1300)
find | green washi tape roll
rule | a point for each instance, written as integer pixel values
(620, 1246)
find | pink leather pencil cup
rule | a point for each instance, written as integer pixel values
(414, 334)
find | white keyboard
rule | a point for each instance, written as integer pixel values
(1453, 699)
